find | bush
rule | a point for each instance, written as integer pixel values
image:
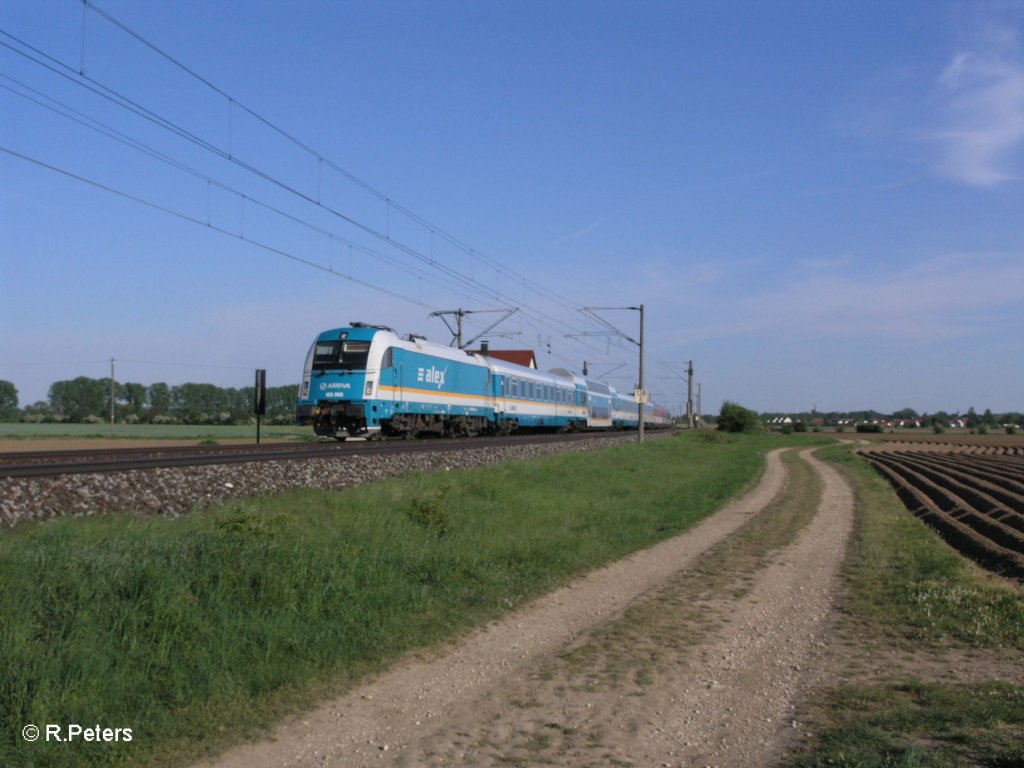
(872, 428)
(736, 418)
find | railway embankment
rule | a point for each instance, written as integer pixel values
(172, 491)
(200, 631)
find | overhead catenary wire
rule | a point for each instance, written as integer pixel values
(318, 156)
(77, 116)
(133, 106)
(534, 317)
(165, 123)
(193, 220)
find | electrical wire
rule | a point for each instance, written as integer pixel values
(536, 318)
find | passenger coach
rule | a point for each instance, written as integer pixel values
(365, 380)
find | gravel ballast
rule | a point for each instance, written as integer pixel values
(175, 491)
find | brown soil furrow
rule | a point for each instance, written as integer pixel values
(954, 520)
(1002, 489)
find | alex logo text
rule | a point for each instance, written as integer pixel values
(431, 375)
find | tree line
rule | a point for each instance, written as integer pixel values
(88, 400)
(970, 419)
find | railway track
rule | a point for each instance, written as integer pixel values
(57, 463)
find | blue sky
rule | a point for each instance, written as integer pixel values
(820, 204)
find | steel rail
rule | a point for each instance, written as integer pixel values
(56, 463)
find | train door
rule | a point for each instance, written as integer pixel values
(391, 374)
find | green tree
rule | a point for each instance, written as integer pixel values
(199, 403)
(281, 403)
(75, 399)
(972, 417)
(159, 399)
(736, 418)
(134, 398)
(8, 401)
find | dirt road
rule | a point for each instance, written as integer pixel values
(654, 660)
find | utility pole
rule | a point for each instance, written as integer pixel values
(640, 393)
(111, 397)
(689, 394)
(700, 418)
(456, 332)
(640, 406)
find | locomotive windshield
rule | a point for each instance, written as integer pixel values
(340, 355)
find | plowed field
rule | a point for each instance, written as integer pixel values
(972, 496)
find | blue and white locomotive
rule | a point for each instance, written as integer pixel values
(364, 380)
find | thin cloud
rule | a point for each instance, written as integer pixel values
(937, 299)
(579, 233)
(980, 112)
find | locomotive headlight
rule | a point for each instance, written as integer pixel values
(368, 389)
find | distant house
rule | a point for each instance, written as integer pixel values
(523, 357)
(909, 423)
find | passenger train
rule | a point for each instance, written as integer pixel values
(366, 381)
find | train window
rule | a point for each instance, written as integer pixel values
(325, 353)
(389, 358)
(340, 355)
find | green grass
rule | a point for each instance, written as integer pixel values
(679, 614)
(906, 589)
(917, 725)
(150, 431)
(200, 631)
(908, 585)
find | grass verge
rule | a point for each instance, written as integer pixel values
(654, 642)
(908, 591)
(688, 608)
(198, 632)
